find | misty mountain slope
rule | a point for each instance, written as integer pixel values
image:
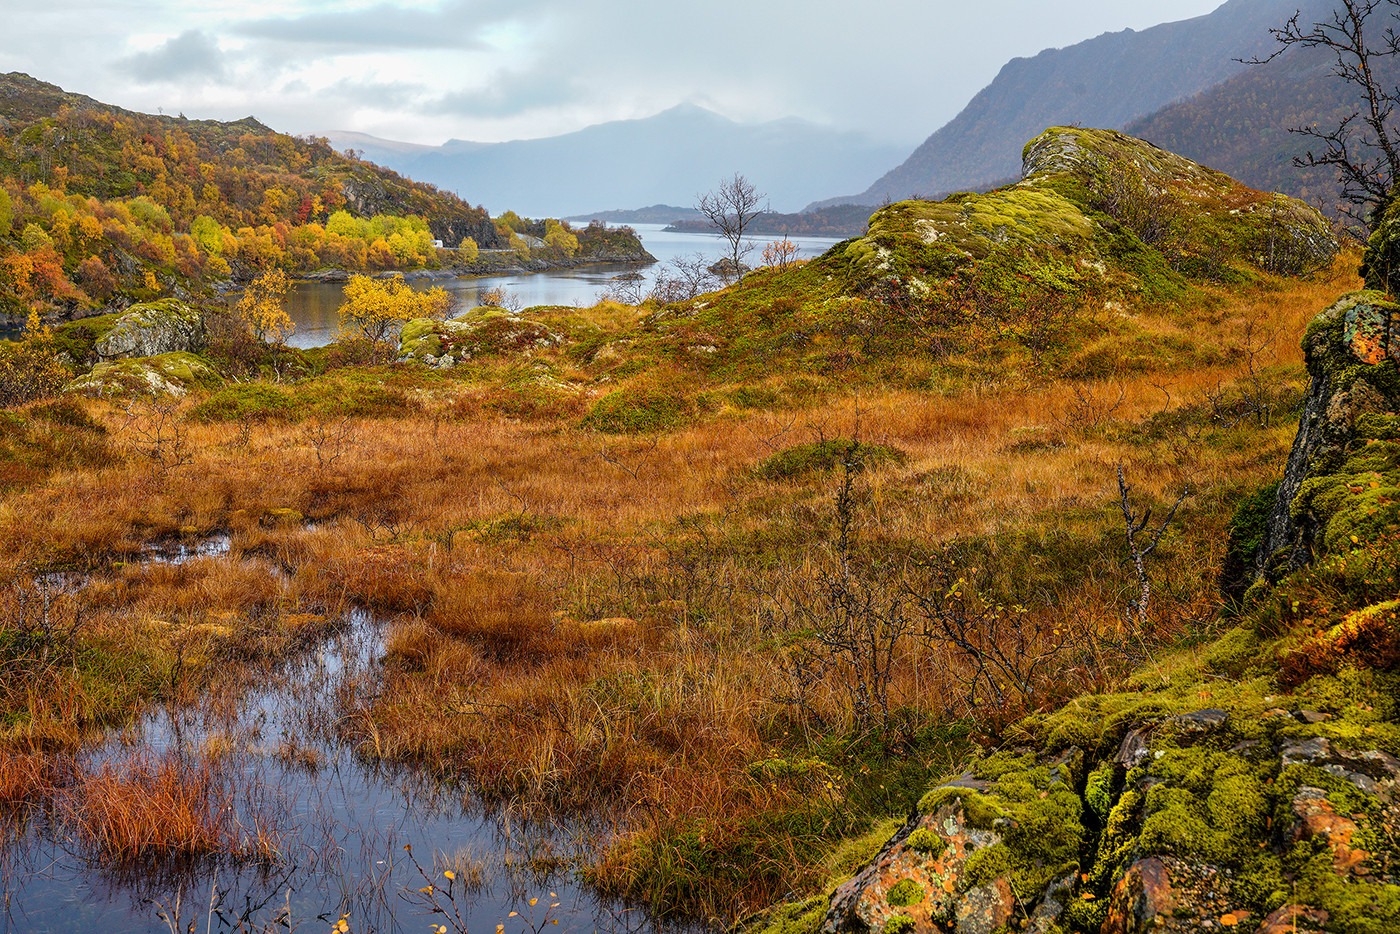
(665, 158)
(1108, 81)
(1241, 126)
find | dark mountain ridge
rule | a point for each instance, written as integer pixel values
(1108, 81)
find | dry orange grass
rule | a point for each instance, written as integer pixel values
(587, 618)
(160, 806)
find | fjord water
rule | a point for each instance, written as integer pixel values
(312, 305)
(343, 821)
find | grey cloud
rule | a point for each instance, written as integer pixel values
(508, 93)
(191, 54)
(454, 26)
(378, 94)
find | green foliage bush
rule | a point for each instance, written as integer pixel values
(638, 408)
(800, 459)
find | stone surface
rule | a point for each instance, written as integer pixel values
(1294, 919)
(1342, 391)
(1165, 895)
(152, 329)
(482, 331)
(1060, 219)
(862, 904)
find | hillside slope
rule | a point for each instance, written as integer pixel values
(1242, 125)
(101, 207)
(1108, 81)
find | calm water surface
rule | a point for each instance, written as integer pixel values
(312, 305)
(343, 822)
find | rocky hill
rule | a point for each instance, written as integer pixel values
(1108, 81)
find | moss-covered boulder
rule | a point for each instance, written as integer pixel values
(480, 332)
(169, 374)
(152, 329)
(1095, 210)
(1343, 478)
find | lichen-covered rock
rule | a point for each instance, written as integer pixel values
(170, 374)
(963, 863)
(921, 875)
(481, 332)
(1164, 895)
(1343, 473)
(152, 329)
(1198, 212)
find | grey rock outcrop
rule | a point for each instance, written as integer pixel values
(151, 329)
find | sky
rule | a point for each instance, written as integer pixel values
(426, 71)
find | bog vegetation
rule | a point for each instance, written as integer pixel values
(735, 574)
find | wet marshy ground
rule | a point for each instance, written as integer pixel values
(290, 828)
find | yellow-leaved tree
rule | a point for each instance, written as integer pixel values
(31, 368)
(374, 309)
(260, 309)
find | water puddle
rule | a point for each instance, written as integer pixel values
(338, 822)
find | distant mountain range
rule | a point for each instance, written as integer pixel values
(652, 214)
(675, 154)
(1109, 81)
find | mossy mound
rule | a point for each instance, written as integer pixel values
(1095, 211)
(802, 459)
(481, 332)
(1208, 222)
(645, 405)
(168, 374)
(338, 394)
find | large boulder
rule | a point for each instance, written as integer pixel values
(151, 329)
(483, 331)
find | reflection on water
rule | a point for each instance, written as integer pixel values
(274, 739)
(312, 305)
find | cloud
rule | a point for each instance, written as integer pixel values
(191, 54)
(510, 92)
(457, 25)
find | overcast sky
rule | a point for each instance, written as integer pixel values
(430, 70)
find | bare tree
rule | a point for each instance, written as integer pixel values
(1363, 146)
(684, 278)
(1136, 524)
(731, 208)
